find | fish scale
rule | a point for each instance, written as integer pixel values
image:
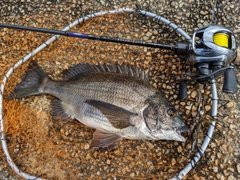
(108, 92)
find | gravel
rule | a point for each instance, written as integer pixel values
(43, 151)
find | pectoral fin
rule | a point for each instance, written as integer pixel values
(102, 139)
(120, 118)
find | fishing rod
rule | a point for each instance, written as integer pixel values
(91, 37)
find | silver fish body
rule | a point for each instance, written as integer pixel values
(112, 99)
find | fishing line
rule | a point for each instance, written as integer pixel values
(214, 12)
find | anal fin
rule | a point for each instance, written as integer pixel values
(103, 139)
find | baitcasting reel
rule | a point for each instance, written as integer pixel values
(212, 50)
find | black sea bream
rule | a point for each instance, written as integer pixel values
(116, 100)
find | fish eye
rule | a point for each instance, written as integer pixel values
(171, 112)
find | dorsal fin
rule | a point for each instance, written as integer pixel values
(77, 70)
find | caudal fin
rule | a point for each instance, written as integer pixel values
(31, 83)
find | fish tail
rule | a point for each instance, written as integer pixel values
(32, 83)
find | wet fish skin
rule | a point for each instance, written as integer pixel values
(112, 99)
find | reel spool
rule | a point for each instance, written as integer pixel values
(213, 48)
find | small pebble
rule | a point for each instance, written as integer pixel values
(231, 177)
(215, 169)
(179, 149)
(207, 108)
(238, 168)
(150, 145)
(173, 161)
(132, 175)
(193, 94)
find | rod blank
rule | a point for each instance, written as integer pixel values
(89, 36)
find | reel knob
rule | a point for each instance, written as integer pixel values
(230, 83)
(182, 93)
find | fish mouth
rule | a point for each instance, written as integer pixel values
(179, 131)
(182, 129)
(179, 126)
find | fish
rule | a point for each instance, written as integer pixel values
(116, 100)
